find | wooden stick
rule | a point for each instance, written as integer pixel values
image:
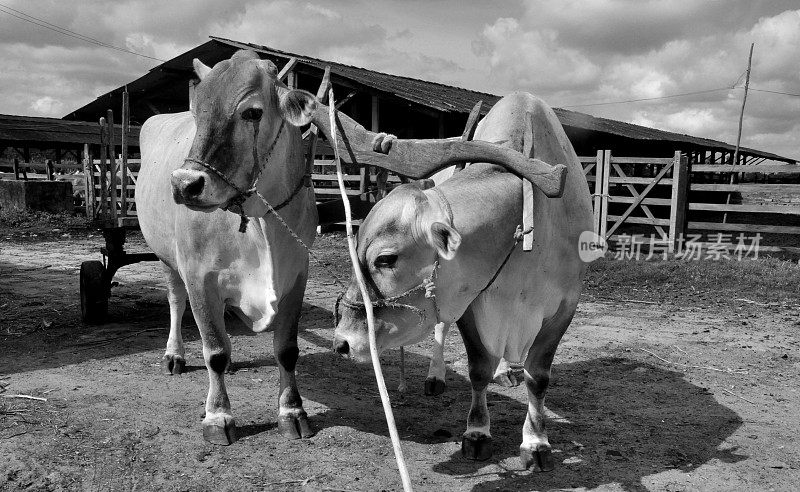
(737, 396)
(402, 387)
(729, 371)
(26, 397)
(103, 341)
(373, 346)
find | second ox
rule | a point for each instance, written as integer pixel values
(449, 254)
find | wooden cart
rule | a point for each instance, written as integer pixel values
(110, 184)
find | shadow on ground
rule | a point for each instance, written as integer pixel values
(621, 420)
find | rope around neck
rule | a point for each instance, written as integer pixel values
(236, 204)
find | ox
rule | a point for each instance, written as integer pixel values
(243, 122)
(448, 254)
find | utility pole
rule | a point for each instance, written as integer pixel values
(739, 134)
(744, 101)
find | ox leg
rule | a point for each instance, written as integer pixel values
(219, 426)
(292, 419)
(535, 449)
(477, 439)
(504, 375)
(174, 361)
(435, 382)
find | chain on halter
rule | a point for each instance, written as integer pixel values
(236, 204)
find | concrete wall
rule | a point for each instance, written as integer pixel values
(48, 196)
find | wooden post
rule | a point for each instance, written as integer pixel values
(365, 171)
(597, 199)
(103, 170)
(604, 194)
(112, 164)
(16, 169)
(27, 160)
(49, 170)
(381, 175)
(291, 80)
(286, 70)
(678, 204)
(88, 178)
(322, 96)
(126, 116)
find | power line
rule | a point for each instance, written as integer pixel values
(66, 32)
(775, 92)
(648, 98)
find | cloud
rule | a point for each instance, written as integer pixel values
(578, 53)
(47, 106)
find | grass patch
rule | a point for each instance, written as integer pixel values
(14, 220)
(766, 279)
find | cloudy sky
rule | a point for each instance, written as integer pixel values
(577, 54)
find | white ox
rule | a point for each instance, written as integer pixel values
(458, 239)
(243, 122)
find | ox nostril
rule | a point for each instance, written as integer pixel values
(194, 188)
(341, 347)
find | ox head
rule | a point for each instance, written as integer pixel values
(239, 108)
(400, 244)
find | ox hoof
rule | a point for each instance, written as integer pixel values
(477, 447)
(506, 379)
(223, 435)
(295, 426)
(541, 458)
(173, 365)
(434, 386)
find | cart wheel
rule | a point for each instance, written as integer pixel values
(94, 292)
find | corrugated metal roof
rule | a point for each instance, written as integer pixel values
(440, 97)
(34, 129)
(638, 132)
(433, 95)
(451, 99)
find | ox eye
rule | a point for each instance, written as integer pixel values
(385, 261)
(252, 114)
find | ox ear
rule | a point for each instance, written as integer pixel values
(296, 105)
(444, 239)
(200, 68)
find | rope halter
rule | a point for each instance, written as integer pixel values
(236, 204)
(428, 285)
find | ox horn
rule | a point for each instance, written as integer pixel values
(421, 158)
(200, 68)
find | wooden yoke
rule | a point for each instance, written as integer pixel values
(421, 158)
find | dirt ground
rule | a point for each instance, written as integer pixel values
(652, 389)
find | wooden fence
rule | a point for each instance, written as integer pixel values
(669, 197)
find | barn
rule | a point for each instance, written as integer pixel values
(407, 107)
